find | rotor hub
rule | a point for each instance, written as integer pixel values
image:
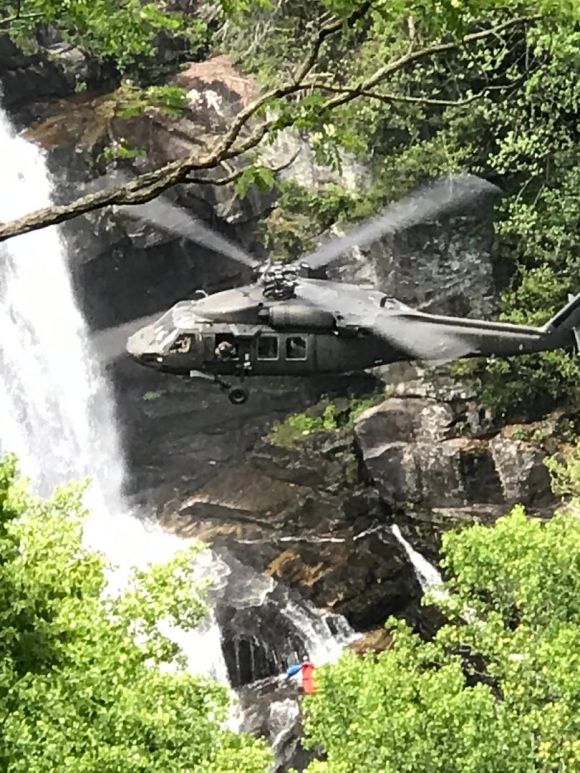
(280, 282)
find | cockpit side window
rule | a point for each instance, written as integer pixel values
(267, 347)
(181, 345)
(296, 348)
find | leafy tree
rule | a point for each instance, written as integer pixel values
(319, 60)
(497, 689)
(126, 32)
(87, 681)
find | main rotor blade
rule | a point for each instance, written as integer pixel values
(110, 343)
(169, 217)
(428, 202)
(419, 338)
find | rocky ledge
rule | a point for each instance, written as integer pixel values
(314, 509)
(299, 515)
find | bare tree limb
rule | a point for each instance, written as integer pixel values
(385, 97)
(150, 185)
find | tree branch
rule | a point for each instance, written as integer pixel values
(411, 57)
(7, 21)
(231, 178)
(382, 97)
(150, 185)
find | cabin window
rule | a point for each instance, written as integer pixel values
(296, 348)
(267, 348)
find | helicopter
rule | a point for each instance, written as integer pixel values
(287, 322)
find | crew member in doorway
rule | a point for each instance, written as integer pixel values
(307, 670)
(225, 351)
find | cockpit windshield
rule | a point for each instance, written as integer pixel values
(183, 316)
(164, 324)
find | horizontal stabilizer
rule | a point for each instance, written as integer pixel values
(567, 318)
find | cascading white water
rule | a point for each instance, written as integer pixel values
(429, 577)
(56, 408)
(57, 411)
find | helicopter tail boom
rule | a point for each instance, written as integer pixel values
(438, 338)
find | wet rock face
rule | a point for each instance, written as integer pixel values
(442, 267)
(271, 709)
(436, 456)
(263, 639)
(26, 78)
(264, 626)
(316, 534)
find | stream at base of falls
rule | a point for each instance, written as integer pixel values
(58, 415)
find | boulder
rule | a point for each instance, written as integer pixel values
(439, 459)
(521, 469)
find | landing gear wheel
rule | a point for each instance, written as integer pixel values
(238, 396)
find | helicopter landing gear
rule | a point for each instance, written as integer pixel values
(238, 395)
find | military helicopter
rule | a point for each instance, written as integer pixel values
(286, 322)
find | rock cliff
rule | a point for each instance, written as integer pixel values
(314, 513)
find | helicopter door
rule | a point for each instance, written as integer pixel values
(208, 348)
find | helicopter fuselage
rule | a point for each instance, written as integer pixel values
(242, 333)
(249, 337)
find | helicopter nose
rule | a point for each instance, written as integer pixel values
(143, 347)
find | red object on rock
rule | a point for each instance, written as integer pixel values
(308, 677)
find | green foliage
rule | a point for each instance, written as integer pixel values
(134, 100)
(298, 425)
(126, 32)
(565, 473)
(498, 687)
(256, 174)
(536, 147)
(121, 149)
(155, 395)
(87, 681)
(327, 416)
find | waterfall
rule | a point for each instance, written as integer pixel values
(56, 408)
(429, 577)
(57, 411)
